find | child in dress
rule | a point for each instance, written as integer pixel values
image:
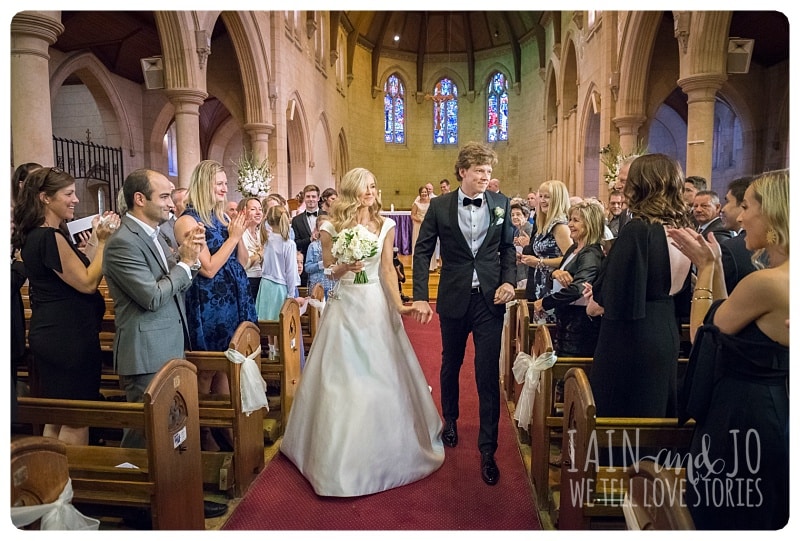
(279, 275)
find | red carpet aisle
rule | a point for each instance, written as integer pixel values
(453, 498)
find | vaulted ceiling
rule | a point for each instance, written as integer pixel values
(120, 38)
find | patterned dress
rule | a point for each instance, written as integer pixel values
(540, 280)
(216, 306)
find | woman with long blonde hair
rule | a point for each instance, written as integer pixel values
(362, 375)
(737, 384)
(550, 240)
(219, 298)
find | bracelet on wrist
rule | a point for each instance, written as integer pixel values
(703, 298)
(704, 289)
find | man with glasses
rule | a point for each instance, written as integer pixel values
(616, 214)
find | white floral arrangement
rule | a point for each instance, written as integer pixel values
(355, 244)
(255, 178)
(612, 157)
(499, 214)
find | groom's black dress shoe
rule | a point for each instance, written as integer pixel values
(214, 509)
(450, 434)
(489, 470)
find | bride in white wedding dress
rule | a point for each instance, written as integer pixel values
(363, 419)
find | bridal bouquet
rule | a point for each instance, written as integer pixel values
(254, 178)
(355, 244)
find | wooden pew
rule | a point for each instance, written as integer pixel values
(39, 470)
(310, 320)
(285, 333)
(232, 472)
(509, 348)
(588, 491)
(654, 500)
(169, 475)
(547, 420)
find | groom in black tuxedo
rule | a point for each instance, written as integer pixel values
(476, 237)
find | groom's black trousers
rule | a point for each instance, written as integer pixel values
(486, 327)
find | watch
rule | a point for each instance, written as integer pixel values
(196, 265)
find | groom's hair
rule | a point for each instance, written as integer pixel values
(475, 154)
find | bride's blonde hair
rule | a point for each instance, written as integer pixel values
(344, 209)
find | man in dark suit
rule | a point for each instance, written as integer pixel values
(474, 230)
(706, 209)
(736, 258)
(148, 291)
(305, 223)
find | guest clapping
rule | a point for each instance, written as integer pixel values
(739, 384)
(66, 307)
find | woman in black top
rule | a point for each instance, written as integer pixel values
(577, 332)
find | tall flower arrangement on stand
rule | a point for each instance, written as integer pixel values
(612, 157)
(255, 177)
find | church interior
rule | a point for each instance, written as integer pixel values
(313, 94)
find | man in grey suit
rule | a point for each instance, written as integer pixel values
(148, 302)
(474, 228)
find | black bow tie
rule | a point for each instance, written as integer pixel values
(478, 201)
(311, 213)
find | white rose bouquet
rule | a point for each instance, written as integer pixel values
(355, 244)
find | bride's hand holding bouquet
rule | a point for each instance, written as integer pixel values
(351, 247)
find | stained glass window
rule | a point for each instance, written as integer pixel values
(394, 110)
(445, 113)
(497, 108)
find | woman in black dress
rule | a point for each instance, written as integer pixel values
(66, 308)
(635, 364)
(737, 383)
(577, 332)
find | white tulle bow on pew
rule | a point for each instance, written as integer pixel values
(254, 388)
(319, 305)
(526, 370)
(59, 515)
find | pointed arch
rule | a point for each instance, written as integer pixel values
(249, 32)
(638, 40)
(96, 78)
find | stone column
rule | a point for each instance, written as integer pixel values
(702, 92)
(259, 139)
(628, 127)
(32, 33)
(187, 104)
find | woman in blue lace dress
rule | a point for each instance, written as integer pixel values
(219, 298)
(550, 240)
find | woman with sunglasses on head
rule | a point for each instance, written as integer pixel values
(66, 308)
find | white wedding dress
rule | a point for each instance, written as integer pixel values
(363, 419)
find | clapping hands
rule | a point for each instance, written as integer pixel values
(700, 251)
(193, 243)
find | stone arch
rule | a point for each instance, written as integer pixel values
(297, 146)
(176, 32)
(638, 39)
(96, 78)
(588, 153)
(342, 156)
(321, 161)
(249, 32)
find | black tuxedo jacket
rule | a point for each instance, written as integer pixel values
(302, 233)
(736, 260)
(716, 227)
(495, 261)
